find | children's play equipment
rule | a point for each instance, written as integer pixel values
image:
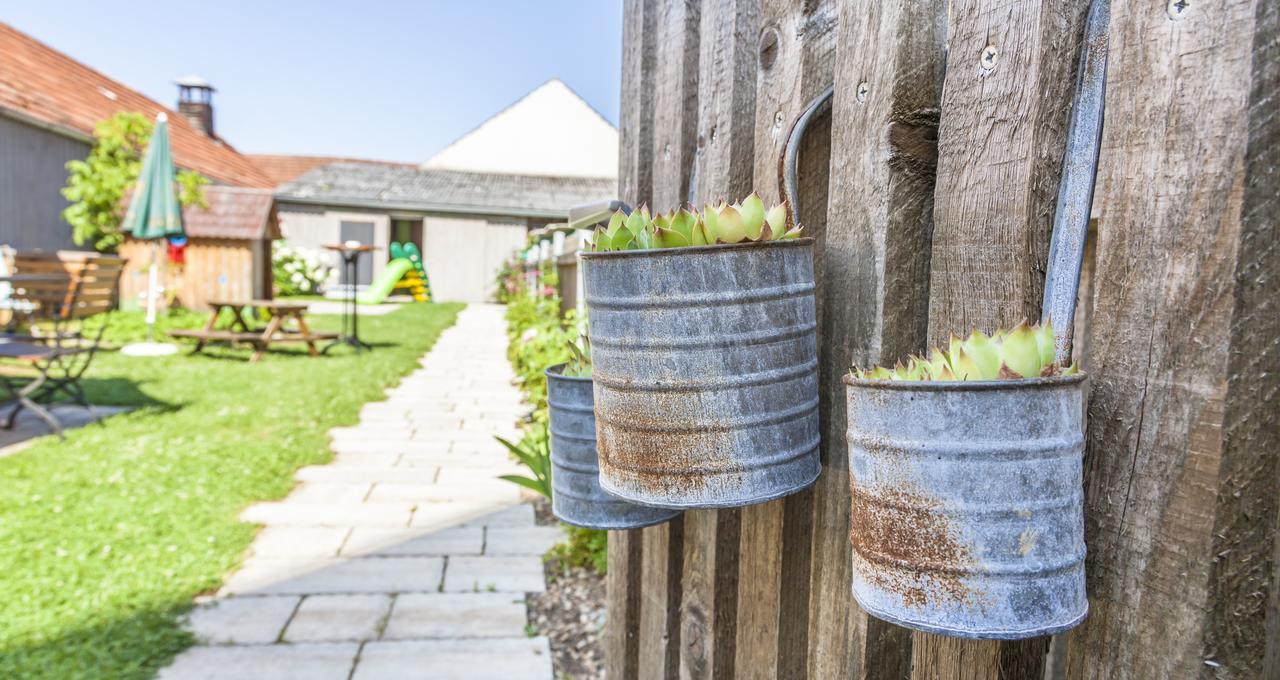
(404, 272)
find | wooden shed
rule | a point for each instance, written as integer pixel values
(228, 254)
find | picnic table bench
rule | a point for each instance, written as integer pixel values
(261, 337)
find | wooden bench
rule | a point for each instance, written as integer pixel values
(260, 337)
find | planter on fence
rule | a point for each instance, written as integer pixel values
(967, 516)
(706, 382)
(576, 495)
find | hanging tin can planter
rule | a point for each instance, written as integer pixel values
(965, 467)
(706, 382)
(576, 495)
(968, 509)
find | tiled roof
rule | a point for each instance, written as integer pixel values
(40, 83)
(233, 212)
(282, 168)
(363, 185)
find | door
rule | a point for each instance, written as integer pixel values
(361, 232)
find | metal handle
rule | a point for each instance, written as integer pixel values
(791, 150)
(588, 215)
(1075, 193)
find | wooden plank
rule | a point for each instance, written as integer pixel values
(1005, 105)
(645, 594)
(622, 628)
(888, 84)
(795, 51)
(675, 101)
(1183, 443)
(1000, 155)
(635, 120)
(725, 138)
(674, 105)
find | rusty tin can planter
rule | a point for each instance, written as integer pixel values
(576, 496)
(968, 504)
(705, 368)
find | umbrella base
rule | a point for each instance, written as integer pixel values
(148, 349)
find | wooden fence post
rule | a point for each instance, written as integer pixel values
(725, 136)
(1183, 448)
(635, 185)
(795, 53)
(1009, 81)
(875, 252)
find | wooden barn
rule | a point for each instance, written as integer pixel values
(228, 253)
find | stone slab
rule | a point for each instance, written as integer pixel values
(325, 661)
(423, 542)
(482, 659)
(334, 618)
(522, 574)
(449, 615)
(241, 620)
(332, 576)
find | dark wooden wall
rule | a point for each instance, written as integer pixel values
(931, 189)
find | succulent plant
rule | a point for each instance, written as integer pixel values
(579, 365)
(1023, 352)
(741, 222)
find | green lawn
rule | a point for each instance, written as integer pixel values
(105, 538)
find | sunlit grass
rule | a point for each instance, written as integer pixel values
(105, 538)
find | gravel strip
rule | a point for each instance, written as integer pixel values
(571, 613)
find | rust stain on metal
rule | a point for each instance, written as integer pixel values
(899, 524)
(659, 453)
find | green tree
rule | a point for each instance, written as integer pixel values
(97, 184)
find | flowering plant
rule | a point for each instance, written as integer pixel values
(299, 272)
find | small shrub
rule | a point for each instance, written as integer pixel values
(299, 272)
(585, 548)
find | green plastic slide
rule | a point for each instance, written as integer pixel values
(386, 282)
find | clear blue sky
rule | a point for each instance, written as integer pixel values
(365, 78)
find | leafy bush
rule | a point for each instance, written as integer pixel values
(298, 272)
(582, 548)
(509, 279)
(534, 452)
(97, 184)
(538, 338)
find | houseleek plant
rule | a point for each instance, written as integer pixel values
(1023, 352)
(743, 222)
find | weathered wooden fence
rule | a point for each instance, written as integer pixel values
(931, 190)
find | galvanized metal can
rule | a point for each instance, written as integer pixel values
(968, 504)
(705, 369)
(576, 496)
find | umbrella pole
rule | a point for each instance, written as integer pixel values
(152, 284)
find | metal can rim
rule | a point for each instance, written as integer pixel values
(963, 385)
(715, 248)
(557, 372)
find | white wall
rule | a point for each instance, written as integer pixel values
(463, 255)
(312, 230)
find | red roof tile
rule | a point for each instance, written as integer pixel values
(233, 212)
(41, 83)
(282, 168)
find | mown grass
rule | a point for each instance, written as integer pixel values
(106, 537)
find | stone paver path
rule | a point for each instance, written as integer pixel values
(403, 558)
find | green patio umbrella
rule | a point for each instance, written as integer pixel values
(154, 215)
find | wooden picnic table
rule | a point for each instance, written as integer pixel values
(240, 330)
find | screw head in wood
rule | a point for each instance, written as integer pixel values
(863, 89)
(1178, 9)
(990, 57)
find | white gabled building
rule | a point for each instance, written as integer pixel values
(472, 203)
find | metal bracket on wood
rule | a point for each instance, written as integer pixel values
(1079, 173)
(790, 180)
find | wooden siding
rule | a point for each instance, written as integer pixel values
(940, 203)
(462, 256)
(223, 269)
(32, 171)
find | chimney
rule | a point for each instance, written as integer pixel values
(195, 102)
